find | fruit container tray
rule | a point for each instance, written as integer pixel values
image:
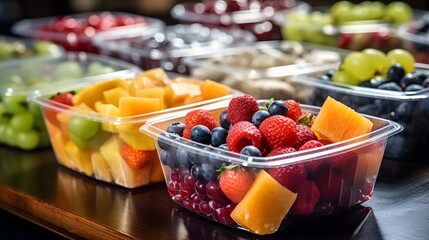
(255, 17)
(263, 69)
(415, 37)
(268, 206)
(408, 108)
(21, 122)
(96, 132)
(152, 49)
(12, 48)
(343, 25)
(74, 32)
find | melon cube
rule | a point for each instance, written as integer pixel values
(113, 95)
(131, 106)
(211, 89)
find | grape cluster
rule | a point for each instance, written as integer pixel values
(12, 49)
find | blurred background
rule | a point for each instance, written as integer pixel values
(14, 10)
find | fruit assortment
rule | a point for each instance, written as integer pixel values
(236, 165)
(384, 85)
(369, 24)
(74, 32)
(11, 48)
(254, 16)
(95, 130)
(21, 122)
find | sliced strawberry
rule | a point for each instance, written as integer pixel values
(242, 108)
(136, 159)
(235, 182)
(279, 131)
(62, 98)
(243, 134)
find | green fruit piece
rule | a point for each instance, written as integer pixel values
(45, 48)
(6, 52)
(15, 104)
(69, 70)
(96, 68)
(28, 140)
(340, 10)
(359, 66)
(402, 57)
(82, 127)
(398, 12)
(378, 58)
(344, 77)
(22, 122)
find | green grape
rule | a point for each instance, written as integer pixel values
(345, 77)
(82, 127)
(378, 58)
(27, 140)
(4, 115)
(34, 109)
(398, 12)
(340, 10)
(6, 52)
(69, 70)
(10, 136)
(96, 68)
(375, 10)
(45, 48)
(15, 104)
(22, 122)
(295, 24)
(402, 57)
(359, 66)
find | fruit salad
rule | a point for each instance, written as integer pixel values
(21, 122)
(14, 48)
(258, 165)
(74, 32)
(94, 129)
(390, 86)
(167, 48)
(415, 36)
(254, 16)
(370, 24)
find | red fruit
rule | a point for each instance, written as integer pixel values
(198, 117)
(278, 131)
(328, 182)
(235, 182)
(344, 40)
(281, 150)
(308, 196)
(291, 176)
(136, 159)
(310, 144)
(304, 135)
(63, 98)
(345, 165)
(294, 110)
(242, 108)
(243, 134)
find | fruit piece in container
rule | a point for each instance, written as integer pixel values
(133, 106)
(264, 206)
(337, 122)
(211, 89)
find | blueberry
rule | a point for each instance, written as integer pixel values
(373, 83)
(425, 83)
(414, 88)
(201, 134)
(391, 86)
(176, 128)
(223, 120)
(219, 135)
(251, 151)
(182, 158)
(168, 158)
(196, 171)
(330, 73)
(259, 116)
(404, 111)
(395, 73)
(208, 172)
(409, 79)
(421, 75)
(163, 144)
(278, 107)
(196, 157)
(370, 109)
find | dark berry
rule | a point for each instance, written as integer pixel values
(414, 88)
(251, 151)
(201, 134)
(176, 128)
(168, 158)
(278, 107)
(163, 143)
(224, 147)
(218, 137)
(370, 109)
(196, 171)
(391, 86)
(395, 73)
(404, 111)
(324, 78)
(209, 172)
(408, 80)
(425, 83)
(182, 158)
(373, 83)
(259, 116)
(223, 120)
(421, 75)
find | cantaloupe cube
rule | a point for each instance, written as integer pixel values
(152, 92)
(113, 95)
(132, 106)
(157, 76)
(264, 206)
(211, 89)
(177, 92)
(336, 122)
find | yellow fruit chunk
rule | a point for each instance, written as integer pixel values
(101, 169)
(336, 122)
(157, 77)
(177, 92)
(93, 93)
(130, 134)
(211, 89)
(265, 205)
(81, 160)
(113, 95)
(110, 111)
(132, 106)
(152, 92)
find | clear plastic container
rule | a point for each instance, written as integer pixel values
(263, 69)
(21, 122)
(410, 109)
(98, 136)
(74, 32)
(151, 49)
(12, 48)
(254, 16)
(350, 186)
(417, 43)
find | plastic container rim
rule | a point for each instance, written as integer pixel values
(404, 33)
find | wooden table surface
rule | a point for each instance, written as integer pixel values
(34, 187)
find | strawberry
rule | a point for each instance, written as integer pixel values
(304, 135)
(278, 131)
(328, 182)
(311, 166)
(136, 159)
(242, 108)
(62, 98)
(345, 165)
(235, 182)
(281, 150)
(310, 144)
(294, 110)
(243, 134)
(306, 119)
(198, 117)
(308, 196)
